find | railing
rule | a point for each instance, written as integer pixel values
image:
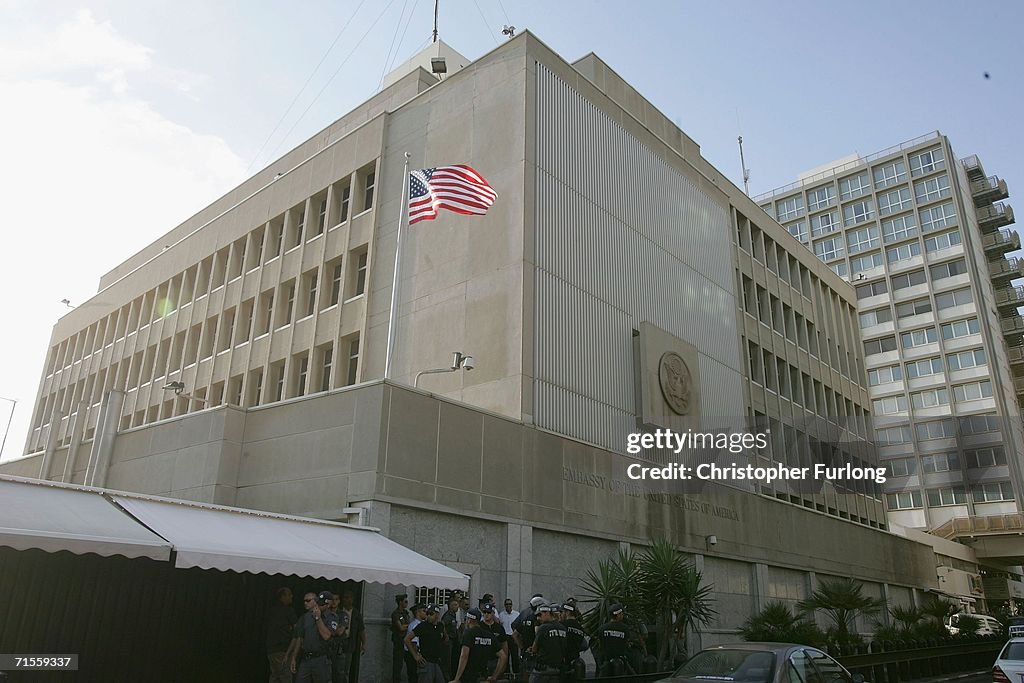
(1012, 325)
(1010, 295)
(1018, 385)
(837, 170)
(997, 210)
(978, 526)
(985, 184)
(896, 662)
(1016, 354)
(1004, 266)
(970, 163)
(997, 239)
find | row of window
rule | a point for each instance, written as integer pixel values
(922, 306)
(976, 458)
(923, 336)
(890, 230)
(994, 492)
(946, 428)
(859, 184)
(927, 367)
(913, 278)
(932, 398)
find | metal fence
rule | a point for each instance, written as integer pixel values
(908, 661)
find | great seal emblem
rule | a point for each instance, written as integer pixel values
(676, 382)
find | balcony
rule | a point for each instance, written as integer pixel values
(1012, 326)
(1018, 385)
(1003, 269)
(1009, 297)
(1015, 355)
(1001, 241)
(988, 190)
(994, 216)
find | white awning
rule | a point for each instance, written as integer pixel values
(52, 517)
(214, 537)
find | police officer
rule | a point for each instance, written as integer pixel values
(575, 643)
(549, 646)
(311, 639)
(491, 621)
(424, 643)
(399, 626)
(450, 621)
(478, 647)
(339, 657)
(614, 638)
(523, 631)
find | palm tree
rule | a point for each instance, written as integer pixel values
(842, 600)
(778, 623)
(616, 580)
(673, 593)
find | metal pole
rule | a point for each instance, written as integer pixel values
(435, 19)
(14, 405)
(398, 260)
(746, 173)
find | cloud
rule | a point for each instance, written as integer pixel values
(90, 174)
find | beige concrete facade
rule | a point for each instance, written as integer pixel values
(611, 234)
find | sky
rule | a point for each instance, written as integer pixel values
(119, 120)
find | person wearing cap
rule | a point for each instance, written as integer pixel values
(424, 643)
(311, 640)
(478, 645)
(614, 639)
(523, 629)
(575, 641)
(492, 622)
(419, 613)
(450, 621)
(549, 645)
(399, 626)
(355, 645)
(507, 617)
(339, 658)
(280, 626)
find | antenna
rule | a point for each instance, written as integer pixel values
(435, 19)
(746, 171)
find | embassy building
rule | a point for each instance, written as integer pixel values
(618, 284)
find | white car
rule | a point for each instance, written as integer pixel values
(987, 626)
(1009, 668)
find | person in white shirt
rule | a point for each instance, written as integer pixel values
(506, 617)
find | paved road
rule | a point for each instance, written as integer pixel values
(983, 678)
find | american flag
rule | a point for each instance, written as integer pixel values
(457, 188)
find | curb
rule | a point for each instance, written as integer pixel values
(955, 677)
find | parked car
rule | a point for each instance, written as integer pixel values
(1009, 666)
(987, 626)
(1016, 627)
(763, 663)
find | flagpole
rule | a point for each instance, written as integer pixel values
(398, 259)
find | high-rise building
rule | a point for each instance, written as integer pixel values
(921, 236)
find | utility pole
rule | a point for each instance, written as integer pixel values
(435, 19)
(746, 171)
(14, 404)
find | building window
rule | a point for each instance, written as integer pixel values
(875, 317)
(285, 311)
(353, 362)
(939, 429)
(924, 368)
(966, 359)
(890, 174)
(368, 184)
(931, 189)
(901, 467)
(788, 209)
(975, 391)
(798, 230)
(960, 329)
(321, 217)
(309, 291)
(862, 239)
(995, 492)
(839, 268)
(932, 398)
(979, 424)
(266, 311)
(942, 271)
(940, 462)
(829, 248)
(824, 223)
(915, 338)
(326, 365)
(958, 297)
(854, 186)
(936, 217)
(344, 201)
(858, 212)
(899, 228)
(903, 252)
(890, 405)
(255, 387)
(893, 201)
(904, 500)
(893, 436)
(276, 232)
(298, 226)
(356, 275)
(946, 240)
(277, 372)
(336, 274)
(301, 365)
(928, 161)
(886, 375)
(955, 495)
(883, 345)
(821, 197)
(872, 289)
(911, 279)
(985, 457)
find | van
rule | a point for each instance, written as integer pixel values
(987, 626)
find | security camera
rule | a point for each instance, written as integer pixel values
(712, 540)
(468, 363)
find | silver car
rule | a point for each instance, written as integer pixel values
(765, 663)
